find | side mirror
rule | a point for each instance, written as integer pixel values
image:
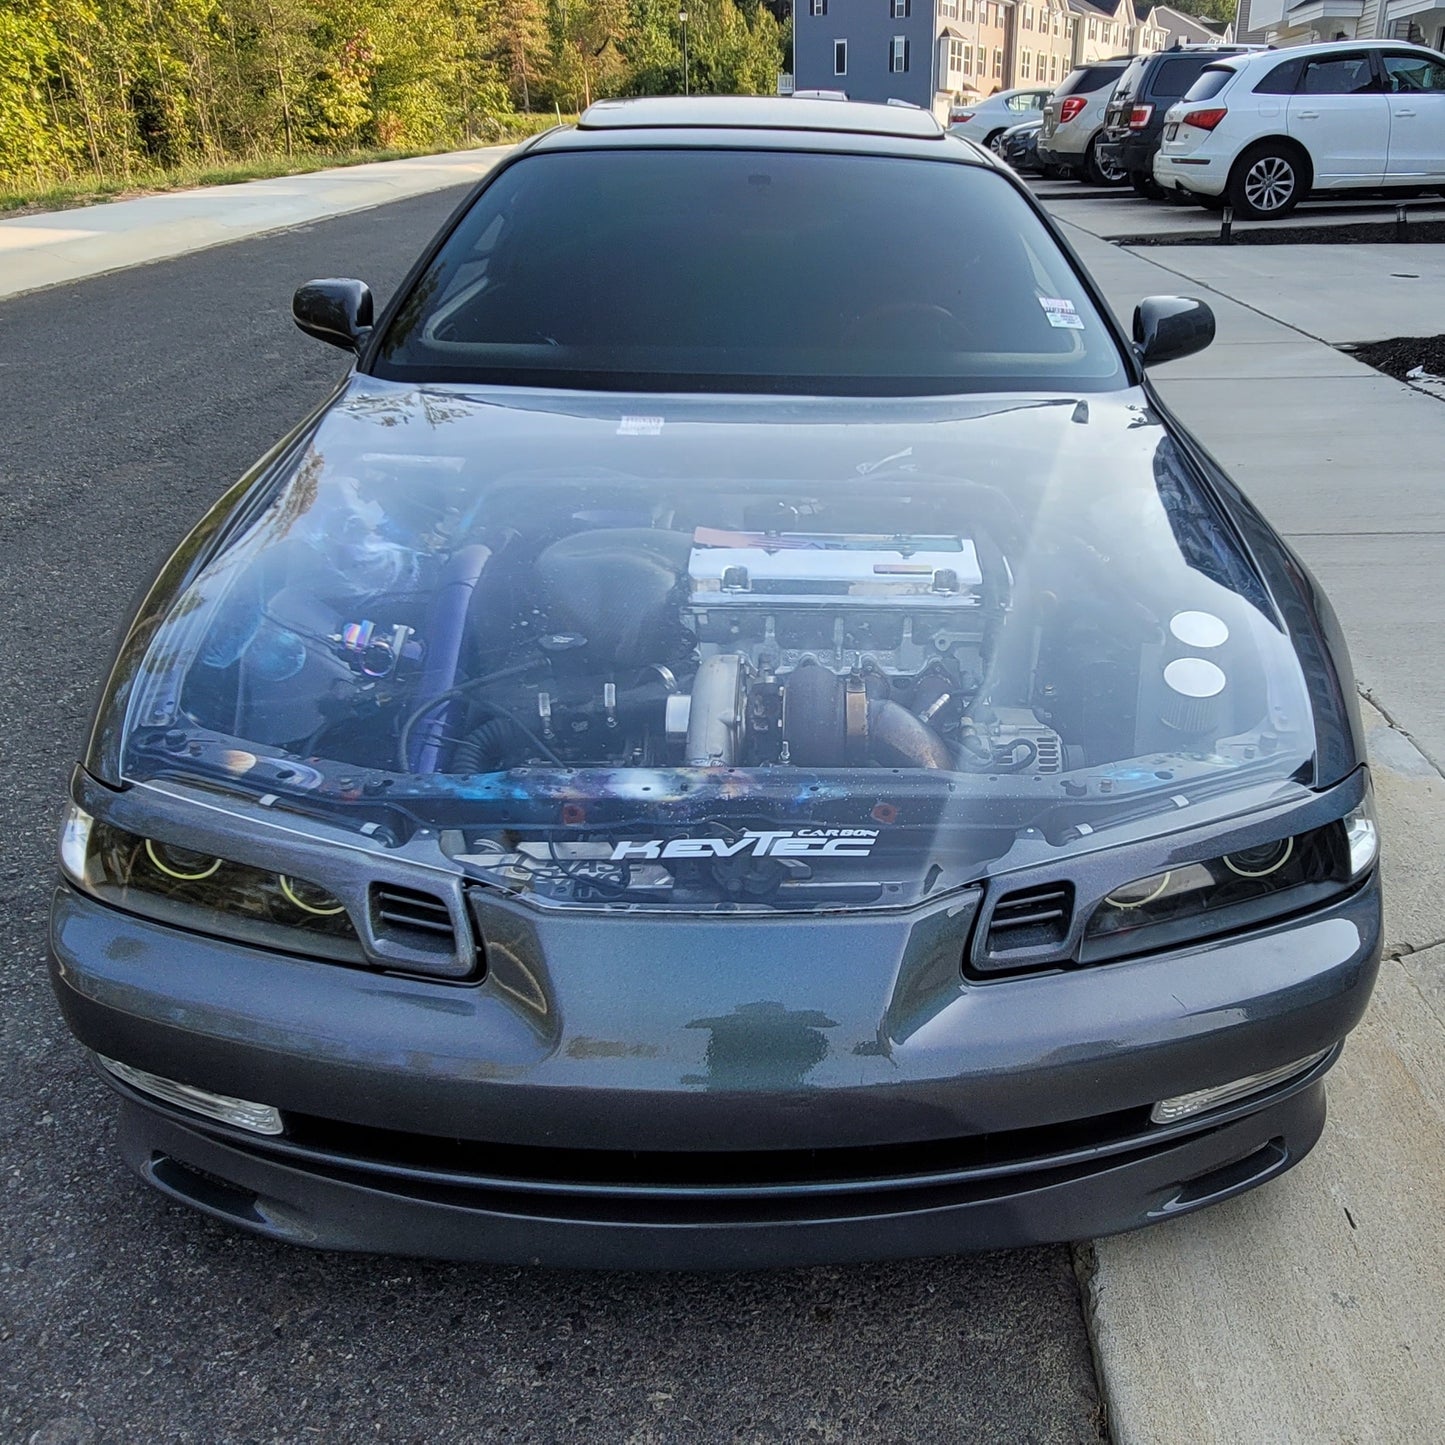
(1168, 327)
(338, 312)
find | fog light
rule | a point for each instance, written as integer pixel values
(1363, 836)
(1183, 1106)
(75, 842)
(258, 1118)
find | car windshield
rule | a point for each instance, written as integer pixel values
(751, 270)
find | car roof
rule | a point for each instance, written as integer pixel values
(1323, 47)
(1106, 62)
(1204, 52)
(761, 123)
(760, 112)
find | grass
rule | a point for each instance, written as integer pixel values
(90, 190)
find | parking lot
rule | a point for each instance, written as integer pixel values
(1115, 213)
(1308, 1311)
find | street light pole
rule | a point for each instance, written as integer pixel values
(682, 20)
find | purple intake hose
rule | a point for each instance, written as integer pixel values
(446, 626)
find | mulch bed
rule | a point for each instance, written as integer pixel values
(1402, 354)
(1367, 233)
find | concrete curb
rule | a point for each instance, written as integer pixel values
(64, 246)
(1309, 1311)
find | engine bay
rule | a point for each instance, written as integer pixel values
(744, 635)
(762, 666)
(639, 626)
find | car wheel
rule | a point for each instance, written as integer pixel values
(1267, 180)
(995, 142)
(1145, 185)
(1099, 172)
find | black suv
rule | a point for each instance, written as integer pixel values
(1134, 120)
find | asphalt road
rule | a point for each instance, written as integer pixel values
(126, 404)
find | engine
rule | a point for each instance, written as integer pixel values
(718, 648)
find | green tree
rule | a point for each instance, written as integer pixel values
(34, 138)
(521, 44)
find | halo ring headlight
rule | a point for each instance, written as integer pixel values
(1260, 862)
(185, 867)
(1140, 893)
(296, 891)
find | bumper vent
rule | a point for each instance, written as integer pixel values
(413, 920)
(1027, 927)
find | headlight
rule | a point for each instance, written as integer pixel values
(1234, 890)
(203, 892)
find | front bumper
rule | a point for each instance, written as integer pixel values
(721, 1104)
(356, 1203)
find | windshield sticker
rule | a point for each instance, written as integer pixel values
(640, 426)
(1060, 312)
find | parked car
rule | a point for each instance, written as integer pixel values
(1073, 118)
(989, 119)
(1019, 146)
(1134, 117)
(744, 732)
(1262, 131)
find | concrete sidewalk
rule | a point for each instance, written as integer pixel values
(1311, 1311)
(61, 246)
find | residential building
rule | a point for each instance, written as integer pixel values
(1043, 41)
(974, 59)
(1164, 26)
(879, 50)
(1280, 22)
(933, 53)
(1103, 29)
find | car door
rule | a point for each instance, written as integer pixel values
(1341, 115)
(1415, 93)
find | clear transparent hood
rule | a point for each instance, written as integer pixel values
(683, 652)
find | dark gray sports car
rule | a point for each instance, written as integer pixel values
(742, 733)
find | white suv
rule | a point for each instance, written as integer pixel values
(1261, 131)
(1073, 117)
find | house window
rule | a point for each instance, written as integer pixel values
(900, 9)
(1028, 17)
(817, 7)
(1093, 28)
(840, 57)
(998, 65)
(948, 9)
(1055, 22)
(1024, 65)
(966, 63)
(968, 10)
(1053, 67)
(898, 54)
